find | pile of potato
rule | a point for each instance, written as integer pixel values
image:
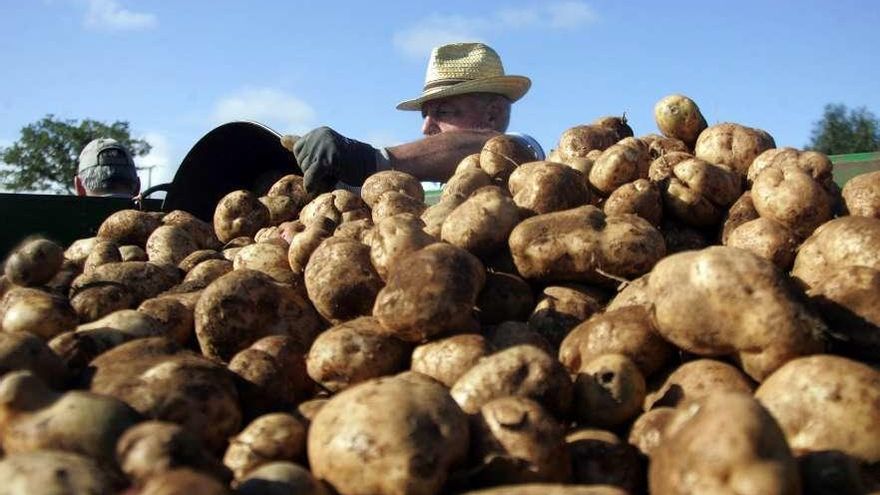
(695, 312)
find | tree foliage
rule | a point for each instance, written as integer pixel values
(45, 156)
(845, 131)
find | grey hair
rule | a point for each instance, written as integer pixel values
(104, 179)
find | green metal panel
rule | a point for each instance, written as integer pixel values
(63, 219)
(848, 166)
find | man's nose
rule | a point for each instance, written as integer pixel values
(429, 127)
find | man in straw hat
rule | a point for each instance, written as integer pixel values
(465, 101)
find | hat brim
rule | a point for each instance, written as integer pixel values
(513, 87)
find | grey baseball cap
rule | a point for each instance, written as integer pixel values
(105, 151)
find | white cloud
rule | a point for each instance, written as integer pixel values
(285, 113)
(382, 139)
(110, 15)
(418, 40)
(160, 164)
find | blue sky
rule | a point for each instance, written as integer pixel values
(175, 69)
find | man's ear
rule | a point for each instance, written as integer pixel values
(78, 185)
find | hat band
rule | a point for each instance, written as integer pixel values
(443, 82)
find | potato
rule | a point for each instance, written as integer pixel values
(53, 472)
(661, 167)
(548, 489)
(34, 311)
(77, 348)
(153, 447)
(281, 208)
(302, 245)
(791, 197)
(393, 238)
(634, 293)
(37, 418)
(628, 331)
(640, 197)
(504, 297)
(561, 308)
(206, 272)
(436, 214)
(696, 379)
(183, 481)
(698, 192)
(80, 249)
(334, 208)
(392, 203)
(430, 292)
(132, 253)
(244, 305)
(726, 301)
(307, 410)
(142, 278)
(239, 213)
(292, 186)
(390, 435)
(523, 371)
(238, 242)
(196, 257)
(353, 352)
(102, 253)
(515, 440)
(169, 244)
(98, 299)
(464, 183)
(509, 334)
(724, 443)
(733, 145)
(391, 180)
(608, 391)
(814, 163)
(163, 381)
(174, 314)
(269, 438)
(542, 187)
(600, 457)
(270, 259)
(199, 230)
(848, 301)
(664, 146)
(24, 351)
(766, 238)
(501, 155)
(341, 281)
(280, 478)
(288, 352)
(582, 244)
(824, 403)
(617, 165)
(861, 194)
(128, 227)
(354, 229)
(740, 212)
(482, 223)
(445, 360)
(578, 141)
(617, 124)
(842, 242)
(263, 385)
(34, 262)
(677, 116)
(646, 433)
(468, 162)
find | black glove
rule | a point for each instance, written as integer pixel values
(327, 157)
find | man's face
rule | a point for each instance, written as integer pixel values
(460, 112)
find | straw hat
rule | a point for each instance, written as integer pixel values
(461, 68)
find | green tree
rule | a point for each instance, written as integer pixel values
(45, 156)
(845, 131)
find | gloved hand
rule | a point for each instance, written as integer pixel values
(327, 157)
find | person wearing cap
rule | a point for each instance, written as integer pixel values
(106, 168)
(465, 101)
